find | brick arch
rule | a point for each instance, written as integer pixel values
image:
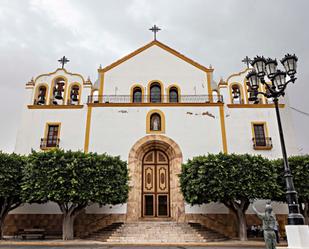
(138, 150)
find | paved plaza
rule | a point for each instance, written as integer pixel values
(114, 247)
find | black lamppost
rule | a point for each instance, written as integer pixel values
(279, 82)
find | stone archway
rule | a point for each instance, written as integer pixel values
(172, 149)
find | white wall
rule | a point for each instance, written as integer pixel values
(155, 64)
(115, 130)
(239, 131)
(32, 128)
(219, 208)
(47, 208)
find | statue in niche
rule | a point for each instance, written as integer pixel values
(155, 122)
(269, 225)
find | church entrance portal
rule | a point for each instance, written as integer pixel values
(154, 165)
(155, 184)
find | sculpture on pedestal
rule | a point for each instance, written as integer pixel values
(269, 225)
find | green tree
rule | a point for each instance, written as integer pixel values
(74, 180)
(10, 184)
(230, 179)
(300, 170)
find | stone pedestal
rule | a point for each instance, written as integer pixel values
(298, 236)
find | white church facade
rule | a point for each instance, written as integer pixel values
(156, 108)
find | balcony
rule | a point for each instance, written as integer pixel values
(162, 99)
(49, 143)
(263, 143)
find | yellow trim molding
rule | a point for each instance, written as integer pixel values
(79, 91)
(55, 106)
(168, 92)
(254, 105)
(264, 123)
(60, 69)
(132, 89)
(36, 92)
(101, 83)
(161, 45)
(241, 92)
(161, 92)
(259, 123)
(148, 131)
(46, 132)
(87, 131)
(209, 88)
(237, 74)
(223, 130)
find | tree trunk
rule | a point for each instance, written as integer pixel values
(3, 214)
(242, 225)
(1, 227)
(306, 213)
(239, 209)
(68, 226)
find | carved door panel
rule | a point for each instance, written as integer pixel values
(155, 188)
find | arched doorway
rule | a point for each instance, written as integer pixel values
(136, 158)
(155, 184)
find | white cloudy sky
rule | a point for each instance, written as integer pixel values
(34, 34)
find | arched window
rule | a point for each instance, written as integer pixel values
(95, 96)
(155, 93)
(215, 96)
(41, 95)
(252, 98)
(137, 95)
(236, 94)
(58, 91)
(173, 95)
(74, 95)
(155, 122)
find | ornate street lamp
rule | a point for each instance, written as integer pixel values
(275, 90)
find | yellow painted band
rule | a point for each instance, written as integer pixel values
(87, 132)
(223, 130)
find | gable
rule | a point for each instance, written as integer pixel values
(162, 46)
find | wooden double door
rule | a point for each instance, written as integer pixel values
(155, 185)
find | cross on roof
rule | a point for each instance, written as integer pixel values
(247, 61)
(155, 29)
(63, 61)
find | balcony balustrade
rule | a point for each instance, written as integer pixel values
(49, 143)
(262, 143)
(122, 99)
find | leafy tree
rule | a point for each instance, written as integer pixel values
(230, 179)
(10, 184)
(300, 170)
(74, 180)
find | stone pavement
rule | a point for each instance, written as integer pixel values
(116, 247)
(84, 244)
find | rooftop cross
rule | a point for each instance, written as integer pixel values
(247, 61)
(63, 61)
(155, 29)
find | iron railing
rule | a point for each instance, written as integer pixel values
(155, 99)
(49, 143)
(262, 143)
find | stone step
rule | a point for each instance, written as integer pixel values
(155, 232)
